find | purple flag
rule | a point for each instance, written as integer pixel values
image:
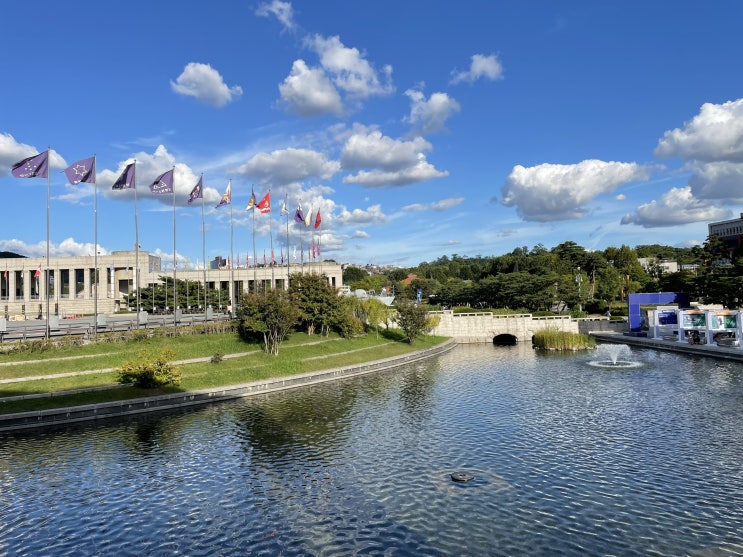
(126, 180)
(226, 196)
(163, 183)
(81, 171)
(197, 192)
(32, 167)
(298, 216)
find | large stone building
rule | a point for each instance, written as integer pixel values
(72, 286)
(729, 231)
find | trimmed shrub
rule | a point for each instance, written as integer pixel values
(150, 371)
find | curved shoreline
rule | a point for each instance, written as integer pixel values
(44, 418)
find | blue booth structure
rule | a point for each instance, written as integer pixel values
(635, 301)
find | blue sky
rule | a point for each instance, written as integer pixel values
(417, 128)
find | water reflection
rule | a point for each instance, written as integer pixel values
(568, 459)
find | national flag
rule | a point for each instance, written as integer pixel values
(264, 258)
(273, 259)
(226, 196)
(36, 166)
(127, 179)
(198, 191)
(308, 218)
(318, 220)
(6, 275)
(284, 208)
(37, 274)
(81, 171)
(163, 183)
(264, 206)
(298, 215)
(251, 201)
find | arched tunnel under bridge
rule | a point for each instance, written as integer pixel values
(505, 340)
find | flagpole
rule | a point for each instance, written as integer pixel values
(270, 241)
(95, 255)
(232, 258)
(203, 240)
(288, 255)
(48, 220)
(255, 257)
(136, 244)
(175, 262)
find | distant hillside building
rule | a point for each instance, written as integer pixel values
(729, 231)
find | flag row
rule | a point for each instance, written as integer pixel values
(37, 166)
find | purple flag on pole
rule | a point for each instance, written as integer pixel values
(126, 180)
(32, 167)
(226, 196)
(163, 183)
(197, 192)
(298, 216)
(81, 171)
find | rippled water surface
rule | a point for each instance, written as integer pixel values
(568, 458)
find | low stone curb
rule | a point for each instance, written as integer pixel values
(45, 418)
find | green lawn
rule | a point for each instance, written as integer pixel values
(242, 362)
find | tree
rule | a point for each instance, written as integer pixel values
(412, 319)
(318, 302)
(271, 314)
(353, 274)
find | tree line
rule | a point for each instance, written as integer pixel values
(566, 278)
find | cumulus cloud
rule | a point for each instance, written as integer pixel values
(343, 76)
(676, 206)
(66, 248)
(430, 115)
(308, 92)
(289, 165)
(442, 205)
(481, 67)
(371, 215)
(205, 84)
(551, 192)
(715, 134)
(386, 161)
(282, 11)
(717, 180)
(348, 69)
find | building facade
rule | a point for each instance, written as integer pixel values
(729, 231)
(85, 285)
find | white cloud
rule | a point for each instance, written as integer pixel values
(285, 166)
(371, 215)
(393, 162)
(677, 206)
(485, 67)
(361, 234)
(429, 116)
(348, 69)
(715, 134)
(205, 84)
(442, 205)
(66, 248)
(550, 192)
(308, 92)
(717, 180)
(282, 11)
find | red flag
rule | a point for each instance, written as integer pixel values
(273, 259)
(318, 220)
(37, 274)
(264, 205)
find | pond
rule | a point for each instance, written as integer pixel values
(567, 455)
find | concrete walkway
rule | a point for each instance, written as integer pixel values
(706, 350)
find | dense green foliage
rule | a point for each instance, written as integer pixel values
(553, 339)
(567, 278)
(412, 318)
(150, 370)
